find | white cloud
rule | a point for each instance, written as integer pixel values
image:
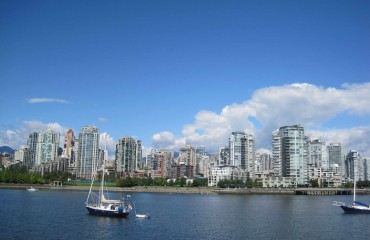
(351, 139)
(167, 140)
(102, 119)
(105, 140)
(15, 138)
(46, 100)
(273, 107)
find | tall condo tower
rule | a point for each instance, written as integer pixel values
(128, 156)
(88, 152)
(69, 143)
(188, 159)
(242, 151)
(317, 154)
(47, 147)
(32, 145)
(354, 166)
(335, 153)
(290, 153)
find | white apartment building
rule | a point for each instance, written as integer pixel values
(219, 173)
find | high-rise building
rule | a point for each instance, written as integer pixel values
(242, 152)
(88, 152)
(187, 158)
(335, 153)
(354, 166)
(366, 169)
(47, 147)
(264, 161)
(70, 149)
(161, 163)
(69, 142)
(290, 153)
(317, 154)
(199, 153)
(276, 154)
(32, 146)
(22, 155)
(224, 156)
(128, 156)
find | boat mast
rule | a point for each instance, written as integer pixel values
(102, 181)
(354, 184)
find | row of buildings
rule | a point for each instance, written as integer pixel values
(294, 159)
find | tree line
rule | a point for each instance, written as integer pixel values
(19, 174)
(148, 181)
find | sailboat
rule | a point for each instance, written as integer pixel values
(98, 204)
(356, 207)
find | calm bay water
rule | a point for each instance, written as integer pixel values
(62, 215)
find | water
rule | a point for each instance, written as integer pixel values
(61, 215)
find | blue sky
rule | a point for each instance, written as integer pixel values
(152, 69)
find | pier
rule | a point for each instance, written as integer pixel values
(322, 191)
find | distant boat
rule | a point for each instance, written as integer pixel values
(356, 207)
(140, 215)
(32, 189)
(98, 204)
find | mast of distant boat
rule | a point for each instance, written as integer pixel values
(102, 181)
(354, 185)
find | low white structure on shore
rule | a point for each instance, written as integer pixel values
(225, 172)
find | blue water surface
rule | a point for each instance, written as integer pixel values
(50, 214)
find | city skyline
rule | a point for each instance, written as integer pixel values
(171, 73)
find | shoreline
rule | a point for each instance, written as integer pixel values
(149, 189)
(195, 190)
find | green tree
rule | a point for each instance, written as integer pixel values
(200, 182)
(182, 182)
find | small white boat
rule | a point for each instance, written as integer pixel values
(142, 215)
(32, 189)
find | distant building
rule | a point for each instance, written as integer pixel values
(290, 153)
(128, 156)
(220, 173)
(160, 164)
(88, 152)
(264, 161)
(199, 153)
(335, 153)
(354, 166)
(70, 148)
(187, 157)
(22, 155)
(204, 166)
(366, 167)
(224, 156)
(318, 154)
(242, 151)
(336, 156)
(47, 147)
(275, 182)
(60, 164)
(32, 146)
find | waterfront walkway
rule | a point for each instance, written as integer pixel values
(202, 190)
(294, 191)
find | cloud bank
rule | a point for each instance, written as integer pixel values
(272, 107)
